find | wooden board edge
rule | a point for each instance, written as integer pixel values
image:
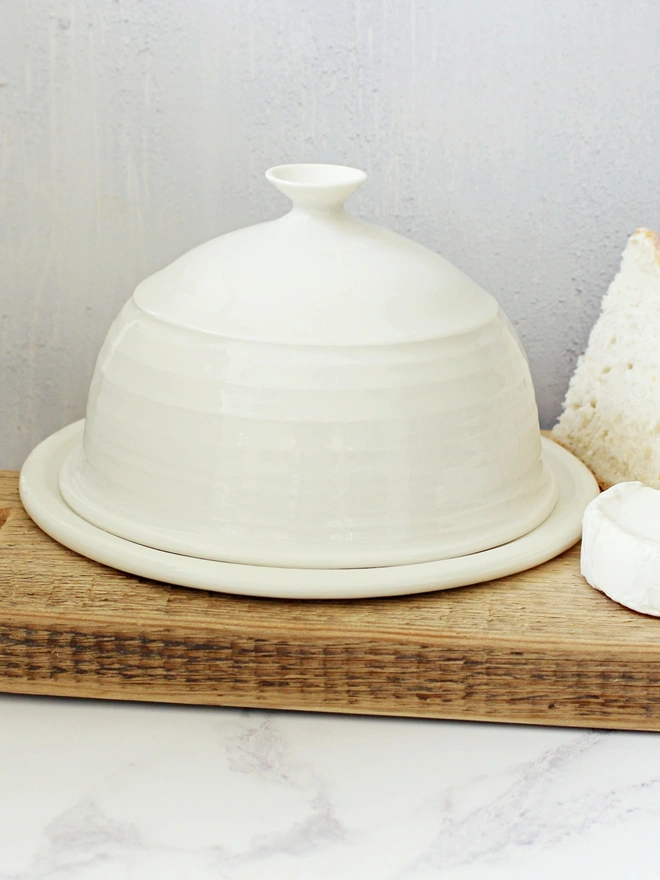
(593, 721)
(361, 676)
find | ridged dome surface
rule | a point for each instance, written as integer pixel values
(311, 392)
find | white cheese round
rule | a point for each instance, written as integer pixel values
(621, 546)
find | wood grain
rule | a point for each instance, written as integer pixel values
(539, 647)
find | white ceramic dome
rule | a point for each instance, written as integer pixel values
(311, 392)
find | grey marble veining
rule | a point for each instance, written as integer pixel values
(114, 791)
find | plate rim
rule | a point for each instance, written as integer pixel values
(41, 497)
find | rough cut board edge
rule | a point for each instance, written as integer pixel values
(359, 676)
(384, 673)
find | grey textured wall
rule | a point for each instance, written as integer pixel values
(519, 138)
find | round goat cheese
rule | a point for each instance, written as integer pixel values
(621, 546)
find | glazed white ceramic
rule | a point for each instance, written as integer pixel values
(42, 498)
(313, 392)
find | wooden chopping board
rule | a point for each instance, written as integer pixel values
(538, 647)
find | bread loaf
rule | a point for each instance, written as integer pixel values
(611, 414)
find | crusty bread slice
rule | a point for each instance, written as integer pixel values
(611, 416)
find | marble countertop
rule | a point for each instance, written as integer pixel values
(120, 791)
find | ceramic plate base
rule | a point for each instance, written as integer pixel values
(42, 499)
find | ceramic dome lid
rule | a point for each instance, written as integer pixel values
(316, 276)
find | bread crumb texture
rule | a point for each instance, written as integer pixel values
(611, 414)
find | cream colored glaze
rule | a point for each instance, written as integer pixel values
(312, 392)
(43, 501)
